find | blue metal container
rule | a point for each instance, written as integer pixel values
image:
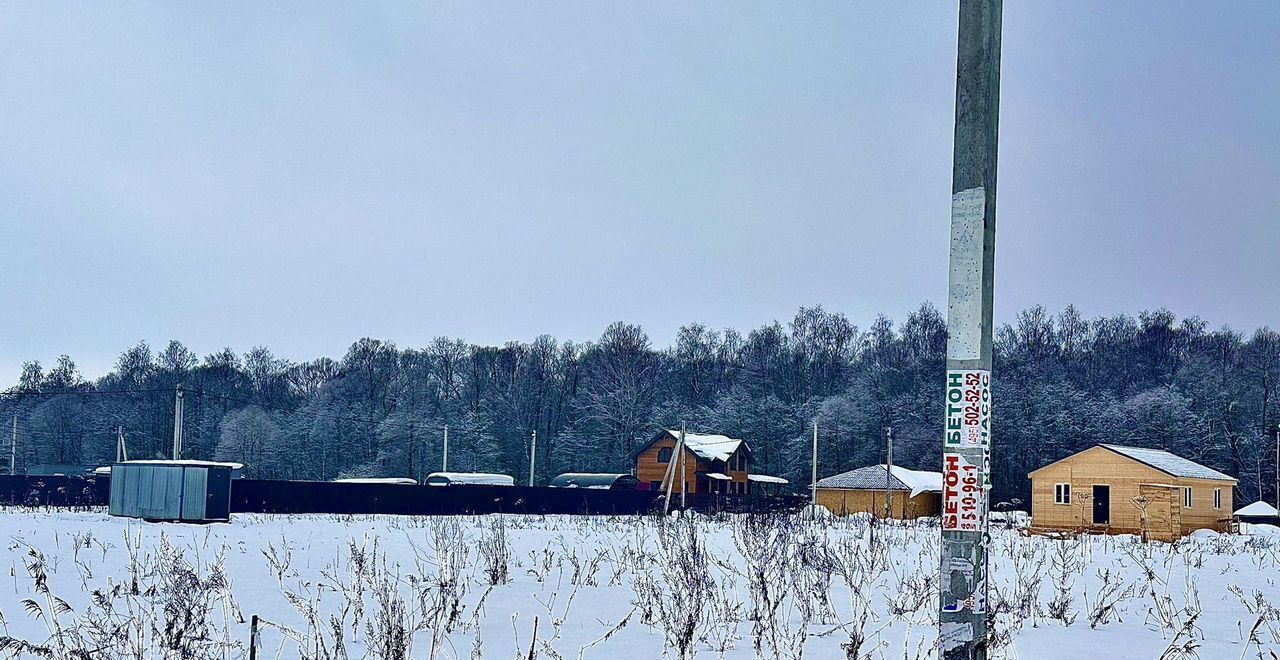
(185, 491)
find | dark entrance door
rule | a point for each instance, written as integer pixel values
(1102, 505)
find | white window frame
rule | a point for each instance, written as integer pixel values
(1217, 498)
(1187, 499)
(1062, 493)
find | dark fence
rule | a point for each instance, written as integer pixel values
(261, 496)
(258, 496)
(54, 490)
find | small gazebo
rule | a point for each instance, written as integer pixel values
(1258, 513)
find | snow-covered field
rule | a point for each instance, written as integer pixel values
(636, 588)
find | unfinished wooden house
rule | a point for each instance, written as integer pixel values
(1129, 490)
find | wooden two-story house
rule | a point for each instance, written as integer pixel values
(713, 464)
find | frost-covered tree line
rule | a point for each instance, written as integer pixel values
(1062, 383)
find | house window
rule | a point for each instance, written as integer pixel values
(1186, 497)
(1217, 498)
(1062, 493)
(664, 454)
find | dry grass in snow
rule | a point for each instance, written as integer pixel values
(84, 585)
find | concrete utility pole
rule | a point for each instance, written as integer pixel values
(966, 452)
(684, 474)
(177, 425)
(122, 452)
(444, 462)
(533, 456)
(669, 477)
(813, 475)
(888, 474)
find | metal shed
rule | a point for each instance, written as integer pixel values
(595, 481)
(186, 491)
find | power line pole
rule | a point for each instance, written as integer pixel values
(122, 452)
(13, 448)
(684, 475)
(177, 424)
(669, 477)
(533, 455)
(966, 453)
(888, 475)
(444, 462)
(813, 475)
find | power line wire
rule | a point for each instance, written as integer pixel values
(20, 394)
(301, 410)
(62, 434)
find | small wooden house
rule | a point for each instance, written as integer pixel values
(1130, 490)
(913, 494)
(713, 463)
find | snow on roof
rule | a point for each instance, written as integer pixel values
(472, 478)
(187, 462)
(1257, 510)
(719, 477)
(596, 480)
(873, 477)
(404, 481)
(1170, 464)
(766, 479)
(709, 446)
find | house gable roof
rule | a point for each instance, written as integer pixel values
(1170, 464)
(706, 446)
(1156, 459)
(874, 477)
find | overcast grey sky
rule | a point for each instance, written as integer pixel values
(299, 175)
